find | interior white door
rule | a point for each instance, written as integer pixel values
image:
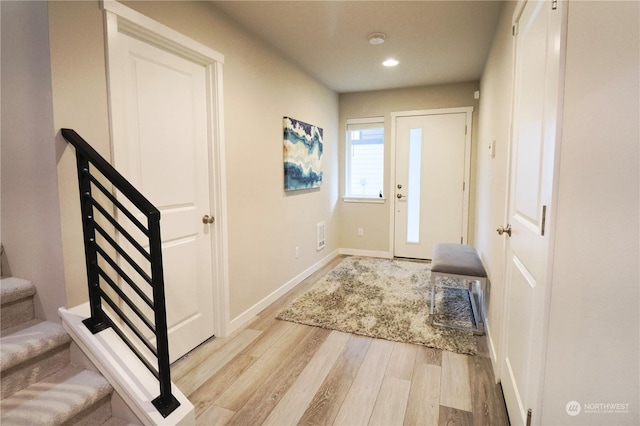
(165, 154)
(533, 147)
(429, 183)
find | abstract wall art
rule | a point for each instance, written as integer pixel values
(302, 155)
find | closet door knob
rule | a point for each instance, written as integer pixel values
(501, 230)
(207, 220)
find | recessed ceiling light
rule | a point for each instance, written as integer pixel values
(390, 62)
(376, 38)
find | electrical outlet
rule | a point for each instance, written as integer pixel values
(360, 232)
(297, 252)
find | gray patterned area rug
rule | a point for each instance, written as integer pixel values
(386, 299)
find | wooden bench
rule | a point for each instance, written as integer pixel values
(460, 261)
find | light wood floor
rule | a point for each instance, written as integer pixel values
(280, 373)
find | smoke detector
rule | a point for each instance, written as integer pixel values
(376, 38)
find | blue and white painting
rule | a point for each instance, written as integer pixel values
(302, 155)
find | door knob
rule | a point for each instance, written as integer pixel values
(506, 230)
(399, 186)
(399, 196)
(207, 220)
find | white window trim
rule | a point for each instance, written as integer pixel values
(371, 200)
(366, 123)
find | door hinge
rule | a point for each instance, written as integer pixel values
(461, 240)
(529, 413)
(464, 185)
(514, 30)
(465, 129)
(544, 220)
(554, 4)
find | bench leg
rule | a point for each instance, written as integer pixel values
(481, 284)
(476, 311)
(475, 289)
(433, 295)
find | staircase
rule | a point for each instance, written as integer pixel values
(39, 383)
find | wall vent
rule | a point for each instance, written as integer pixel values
(320, 236)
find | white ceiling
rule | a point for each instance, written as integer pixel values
(435, 41)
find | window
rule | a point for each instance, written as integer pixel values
(364, 164)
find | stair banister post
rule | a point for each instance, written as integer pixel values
(97, 322)
(166, 402)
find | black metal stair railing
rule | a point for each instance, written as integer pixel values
(101, 266)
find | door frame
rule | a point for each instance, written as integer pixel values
(550, 229)
(119, 18)
(467, 166)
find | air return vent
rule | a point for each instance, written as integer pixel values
(320, 236)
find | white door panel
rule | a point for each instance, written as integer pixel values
(431, 164)
(520, 327)
(533, 145)
(165, 154)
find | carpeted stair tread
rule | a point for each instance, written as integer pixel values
(28, 340)
(16, 297)
(56, 399)
(12, 289)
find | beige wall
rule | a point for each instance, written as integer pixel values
(491, 173)
(375, 218)
(594, 325)
(78, 80)
(265, 224)
(30, 211)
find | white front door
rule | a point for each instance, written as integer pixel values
(163, 149)
(430, 173)
(531, 188)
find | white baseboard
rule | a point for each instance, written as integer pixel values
(250, 313)
(493, 354)
(367, 253)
